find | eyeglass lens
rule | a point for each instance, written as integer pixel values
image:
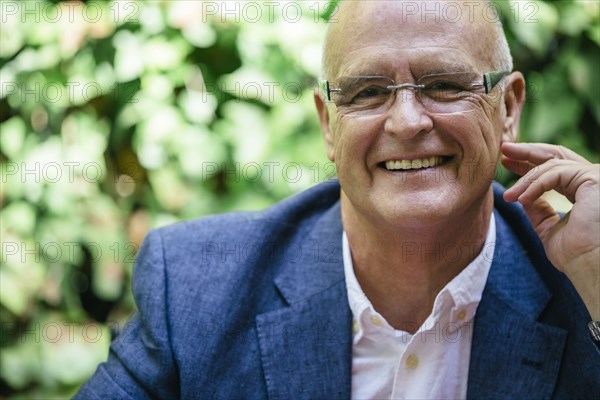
(437, 93)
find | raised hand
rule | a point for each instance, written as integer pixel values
(572, 243)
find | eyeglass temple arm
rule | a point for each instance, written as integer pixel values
(491, 79)
(327, 89)
(324, 86)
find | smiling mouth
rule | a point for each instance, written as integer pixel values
(408, 165)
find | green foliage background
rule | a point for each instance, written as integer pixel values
(169, 111)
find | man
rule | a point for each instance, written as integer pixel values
(411, 278)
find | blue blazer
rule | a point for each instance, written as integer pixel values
(254, 305)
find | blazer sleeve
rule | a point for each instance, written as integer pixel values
(140, 364)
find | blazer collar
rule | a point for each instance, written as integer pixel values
(306, 348)
(513, 355)
(320, 262)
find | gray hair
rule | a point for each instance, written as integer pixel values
(501, 58)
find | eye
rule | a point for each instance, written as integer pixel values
(445, 90)
(363, 92)
(444, 86)
(371, 92)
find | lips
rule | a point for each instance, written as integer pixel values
(414, 164)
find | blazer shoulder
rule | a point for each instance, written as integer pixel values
(232, 252)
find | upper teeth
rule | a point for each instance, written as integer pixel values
(414, 164)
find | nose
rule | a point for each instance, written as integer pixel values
(406, 116)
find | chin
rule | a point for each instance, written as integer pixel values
(412, 213)
(425, 208)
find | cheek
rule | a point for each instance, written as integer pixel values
(488, 138)
(490, 122)
(339, 135)
(353, 136)
(476, 132)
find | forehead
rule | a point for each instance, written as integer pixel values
(397, 61)
(383, 36)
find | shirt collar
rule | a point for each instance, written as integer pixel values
(454, 306)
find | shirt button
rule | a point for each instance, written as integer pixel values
(354, 327)
(461, 315)
(412, 362)
(375, 320)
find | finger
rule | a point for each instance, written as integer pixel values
(532, 174)
(530, 178)
(538, 153)
(518, 167)
(562, 176)
(543, 217)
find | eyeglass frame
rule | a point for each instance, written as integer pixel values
(490, 80)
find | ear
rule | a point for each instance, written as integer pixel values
(324, 121)
(514, 98)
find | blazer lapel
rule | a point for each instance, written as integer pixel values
(513, 355)
(306, 348)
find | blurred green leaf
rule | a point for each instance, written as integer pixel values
(534, 23)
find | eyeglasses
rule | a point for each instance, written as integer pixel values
(437, 93)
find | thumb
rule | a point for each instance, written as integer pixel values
(543, 217)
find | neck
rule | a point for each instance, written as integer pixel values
(402, 269)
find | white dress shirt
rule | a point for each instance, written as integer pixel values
(434, 362)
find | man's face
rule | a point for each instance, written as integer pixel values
(379, 40)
